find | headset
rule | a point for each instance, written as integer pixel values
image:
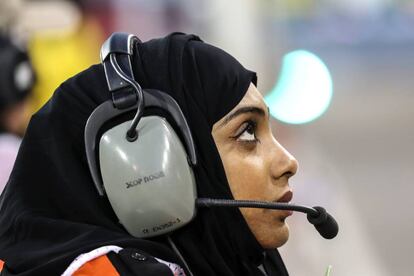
(16, 74)
(140, 164)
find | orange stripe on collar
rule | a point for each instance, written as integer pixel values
(97, 267)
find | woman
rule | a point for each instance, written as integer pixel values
(50, 212)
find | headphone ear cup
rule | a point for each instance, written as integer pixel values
(16, 75)
(149, 182)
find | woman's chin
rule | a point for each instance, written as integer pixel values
(275, 238)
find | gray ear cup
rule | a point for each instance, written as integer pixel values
(148, 182)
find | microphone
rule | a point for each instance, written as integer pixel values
(324, 223)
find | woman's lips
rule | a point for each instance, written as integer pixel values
(286, 198)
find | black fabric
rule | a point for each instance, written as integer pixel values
(273, 263)
(50, 211)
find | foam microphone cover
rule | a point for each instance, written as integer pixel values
(324, 223)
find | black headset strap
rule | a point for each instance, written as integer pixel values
(124, 100)
(122, 45)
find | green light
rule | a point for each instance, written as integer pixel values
(303, 91)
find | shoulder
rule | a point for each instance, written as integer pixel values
(113, 260)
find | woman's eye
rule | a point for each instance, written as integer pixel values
(248, 133)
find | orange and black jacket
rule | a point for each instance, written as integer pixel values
(126, 262)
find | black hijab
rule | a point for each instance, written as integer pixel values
(50, 211)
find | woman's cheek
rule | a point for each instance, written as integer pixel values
(247, 178)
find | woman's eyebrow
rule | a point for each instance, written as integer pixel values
(243, 110)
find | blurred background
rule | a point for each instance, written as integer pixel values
(351, 60)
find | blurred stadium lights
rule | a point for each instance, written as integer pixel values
(303, 91)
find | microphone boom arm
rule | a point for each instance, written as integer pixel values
(210, 202)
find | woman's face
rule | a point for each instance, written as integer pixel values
(256, 165)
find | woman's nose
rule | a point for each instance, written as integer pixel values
(283, 163)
